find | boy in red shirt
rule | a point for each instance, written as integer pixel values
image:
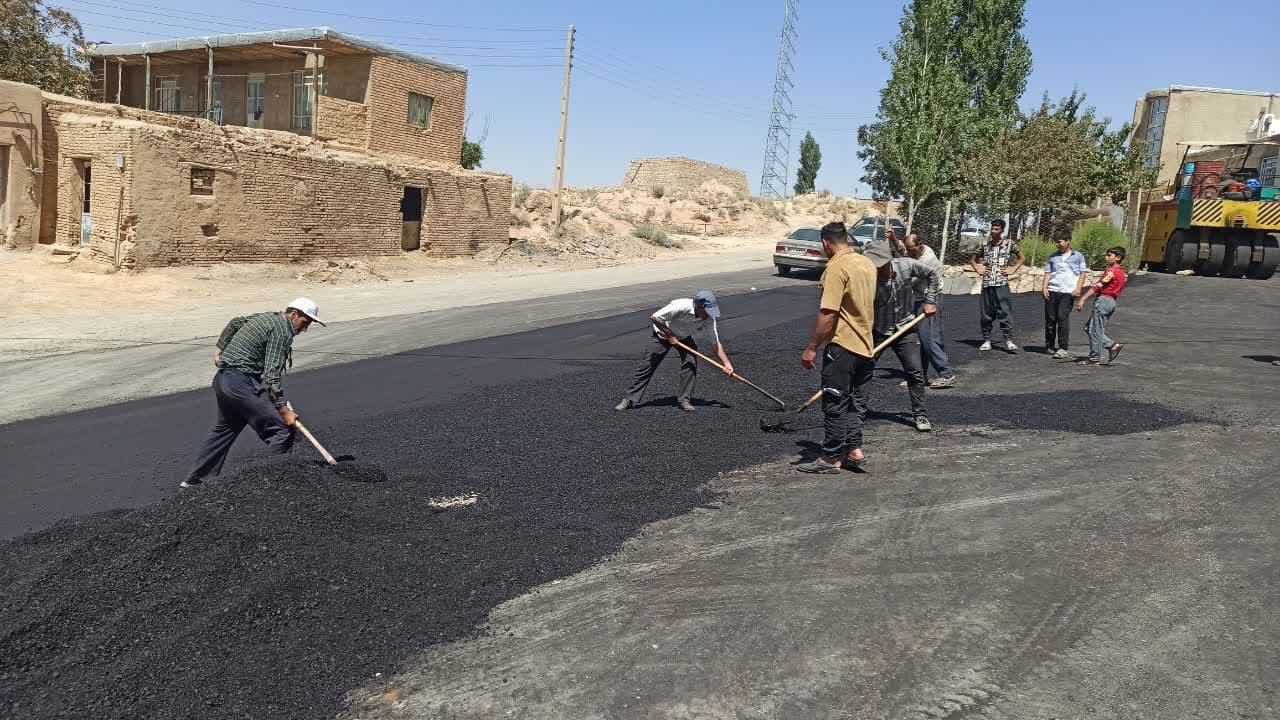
(1108, 290)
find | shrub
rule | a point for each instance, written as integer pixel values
(1036, 248)
(518, 194)
(655, 236)
(770, 209)
(657, 191)
(1093, 238)
(520, 218)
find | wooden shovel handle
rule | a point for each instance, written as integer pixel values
(874, 352)
(307, 434)
(735, 375)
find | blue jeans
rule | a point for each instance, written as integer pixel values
(1103, 308)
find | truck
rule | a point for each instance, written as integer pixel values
(1219, 217)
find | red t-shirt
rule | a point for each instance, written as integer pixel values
(1111, 282)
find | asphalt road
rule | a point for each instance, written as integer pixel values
(128, 454)
(1071, 542)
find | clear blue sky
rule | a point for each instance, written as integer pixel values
(661, 78)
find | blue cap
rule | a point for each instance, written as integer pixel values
(707, 299)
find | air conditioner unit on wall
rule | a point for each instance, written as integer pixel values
(1264, 126)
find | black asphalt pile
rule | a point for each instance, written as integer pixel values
(271, 592)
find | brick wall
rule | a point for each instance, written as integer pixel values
(390, 82)
(681, 174)
(342, 121)
(276, 196)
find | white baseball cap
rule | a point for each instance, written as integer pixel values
(307, 307)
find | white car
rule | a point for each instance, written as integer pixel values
(802, 249)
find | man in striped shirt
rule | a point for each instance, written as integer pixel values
(254, 352)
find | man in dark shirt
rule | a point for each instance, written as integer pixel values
(253, 354)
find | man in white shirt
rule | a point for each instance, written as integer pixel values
(679, 320)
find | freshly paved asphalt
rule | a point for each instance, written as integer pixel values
(131, 453)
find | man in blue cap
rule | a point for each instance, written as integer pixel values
(678, 320)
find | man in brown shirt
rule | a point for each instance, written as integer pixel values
(844, 326)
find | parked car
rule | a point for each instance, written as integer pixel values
(972, 235)
(869, 228)
(802, 249)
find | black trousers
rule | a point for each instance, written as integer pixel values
(1057, 320)
(652, 357)
(241, 402)
(907, 348)
(845, 376)
(997, 305)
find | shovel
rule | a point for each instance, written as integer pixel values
(784, 424)
(735, 376)
(307, 434)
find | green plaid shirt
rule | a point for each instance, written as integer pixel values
(260, 346)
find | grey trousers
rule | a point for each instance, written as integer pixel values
(932, 351)
(907, 348)
(240, 403)
(997, 305)
(652, 357)
(845, 376)
(1103, 308)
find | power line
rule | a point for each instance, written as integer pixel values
(398, 21)
(148, 10)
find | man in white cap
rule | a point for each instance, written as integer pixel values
(678, 320)
(254, 352)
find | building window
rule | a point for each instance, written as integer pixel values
(1155, 130)
(302, 110)
(201, 181)
(1269, 172)
(213, 111)
(420, 110)
(167, 97)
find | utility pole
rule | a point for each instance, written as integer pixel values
(564, 125)
(946, 233)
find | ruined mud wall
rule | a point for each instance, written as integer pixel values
(390, 82)
(681, 174)
(194, 193)
(342, 121)
(22, 154)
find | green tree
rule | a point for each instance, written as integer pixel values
(913, 146)
(810, 161)
(30, 51)
(995, 60)
(472, 154)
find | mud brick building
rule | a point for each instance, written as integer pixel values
(272, 146)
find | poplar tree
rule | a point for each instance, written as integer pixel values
(913, 146)
(810, 161)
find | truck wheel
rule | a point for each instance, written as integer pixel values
(784, 269)
(1237, 252)
(1212, 265)
(1173, 252)
(1266, 267)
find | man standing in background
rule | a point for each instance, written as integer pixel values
(993, 266)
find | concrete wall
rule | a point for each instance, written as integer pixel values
(1200, 114)
(21, 145)
(681, 174)
(276, 196)
(390, 82)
